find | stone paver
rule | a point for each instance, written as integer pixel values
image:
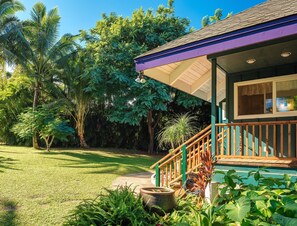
(137, 180)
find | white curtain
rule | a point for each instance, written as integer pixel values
(256, 89)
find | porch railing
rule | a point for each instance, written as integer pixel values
(184, 159)
(257, 140)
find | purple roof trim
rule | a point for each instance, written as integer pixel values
(249, 36)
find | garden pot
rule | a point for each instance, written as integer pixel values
(155, 198)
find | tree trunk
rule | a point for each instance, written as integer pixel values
(151, 131)
(151, 125)
(80, 124)
(35, 103)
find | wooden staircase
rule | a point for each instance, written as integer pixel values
(174, 167)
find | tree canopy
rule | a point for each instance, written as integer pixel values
(87, 79)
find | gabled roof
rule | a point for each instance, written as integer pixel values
(259, 14)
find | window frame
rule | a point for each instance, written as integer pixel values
(274, 113)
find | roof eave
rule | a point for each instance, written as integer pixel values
(280, 28)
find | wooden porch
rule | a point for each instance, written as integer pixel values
(271, 144)
(261, 144)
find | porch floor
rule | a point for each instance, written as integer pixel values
(281, 163)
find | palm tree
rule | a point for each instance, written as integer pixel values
(177, 131)
(8, 22)
(80, 79)
(38, 49)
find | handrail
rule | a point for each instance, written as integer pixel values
(256, 123)
(179, 153)
(179, 147)
(257, 140)
(177, 166)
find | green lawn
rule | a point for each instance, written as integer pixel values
(39, 188)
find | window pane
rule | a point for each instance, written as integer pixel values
(286, 96)
(255, 99)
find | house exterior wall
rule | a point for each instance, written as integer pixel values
(276, 71)
(252, 75)
(243, 171)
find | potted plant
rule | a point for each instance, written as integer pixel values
(158, 199)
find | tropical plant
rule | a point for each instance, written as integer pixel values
(218, 14)
(119, 207)
(47, 124)
(37, 49)
(116, 42)
(177, 131)
(268, 201)
(81, 79)
(8, 22)
(14, 99)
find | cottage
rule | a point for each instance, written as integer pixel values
(246, 66)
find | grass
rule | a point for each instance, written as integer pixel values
(39, 188)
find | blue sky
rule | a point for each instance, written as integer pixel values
(83, 14)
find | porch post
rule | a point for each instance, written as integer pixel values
(213, 104)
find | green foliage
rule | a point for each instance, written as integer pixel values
(48, 124)
(14, 99)
(177, 131)
(249, 205)
(119, 207)
(81, 80)
(188, 213)
(218, 14)
(119, 40)
(241, 204)
(239, 210)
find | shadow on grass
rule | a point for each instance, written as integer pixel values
(98, 163)
(8, 212)
(6, 163)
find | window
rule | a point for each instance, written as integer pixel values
(255, 99)
(286, 96)
(273, 97)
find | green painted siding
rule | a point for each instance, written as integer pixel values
(252, 75)
(243, 171)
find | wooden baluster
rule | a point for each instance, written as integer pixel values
(228, 140)
(178, 167)
(274, 141)
(170, 171)
(162, 176)
(267, 144)
(246, 140)
(289, 140)
(222, 141)
(234, 140)
(217, 140)
(198, 154)
(175, 167)
(207, 140)
(195, 154)
(241, 141)
(192, 154)
(189, 159)
(202, 146)
(260, 140)
(166, 175)
(282, 140)
(253, 140)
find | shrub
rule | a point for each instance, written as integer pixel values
(270, 201)
(118, 207)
